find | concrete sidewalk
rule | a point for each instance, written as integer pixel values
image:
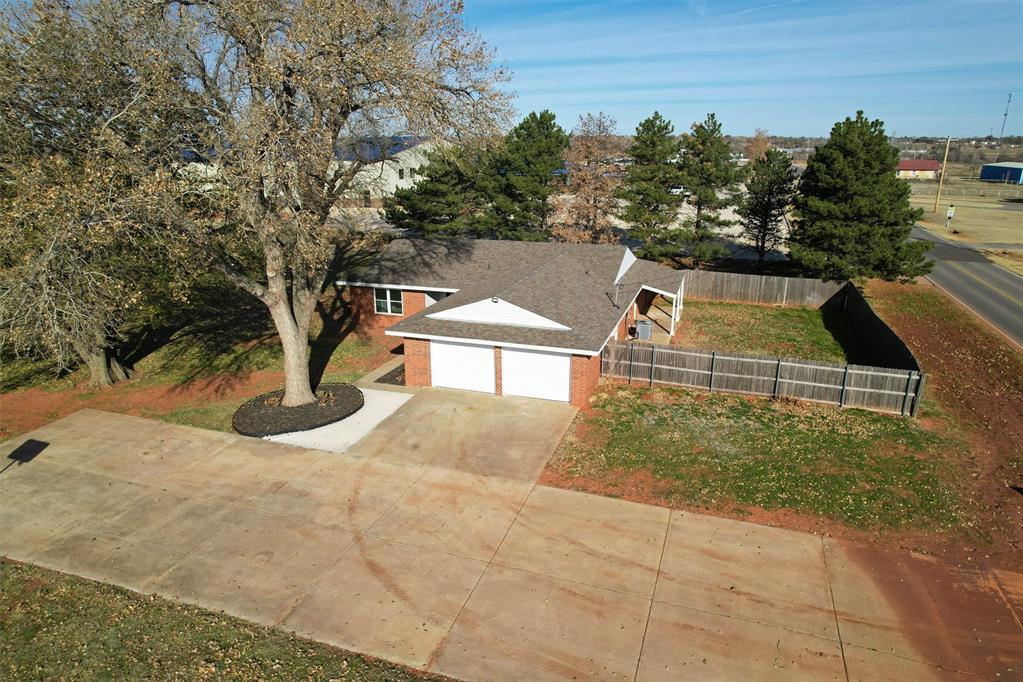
(480, 577)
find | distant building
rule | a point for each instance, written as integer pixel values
(919, 169)
(1009, 173)
(391, 164)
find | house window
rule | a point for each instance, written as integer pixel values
(366, 201)
(388, 301)
(401, 173)
(412, 172)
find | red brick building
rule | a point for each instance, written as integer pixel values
(508, 318)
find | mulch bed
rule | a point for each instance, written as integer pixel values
(396, 377)
(264, 415)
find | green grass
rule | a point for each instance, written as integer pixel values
(57, 626)
(863, 469)
(822, 335)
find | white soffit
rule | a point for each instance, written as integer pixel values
(497, 311)
(627, 260)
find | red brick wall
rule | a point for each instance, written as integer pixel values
(628, 320)
(644, 300)
(417, 362)
(497, 371)
(364, 308)
(585, 377)
(412, 302)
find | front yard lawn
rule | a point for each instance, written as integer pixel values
(196, 374)
(685, 448)
(824, 335)
(57, 626)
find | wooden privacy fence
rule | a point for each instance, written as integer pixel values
(872, 388)
(884, 345)
(765, 289)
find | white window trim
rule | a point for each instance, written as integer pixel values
(401, 299)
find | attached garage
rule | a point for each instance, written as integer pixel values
(467, 366)
(536, 374)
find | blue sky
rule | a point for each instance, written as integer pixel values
(793, 67)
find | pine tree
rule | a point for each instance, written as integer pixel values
(652, 184)
(444, 201)
(711, 179)
(769, 192)
(523, 175)
(853, 216)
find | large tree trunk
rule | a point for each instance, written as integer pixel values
(294, 334)
(104, 367)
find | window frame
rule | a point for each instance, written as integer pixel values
(389, 300)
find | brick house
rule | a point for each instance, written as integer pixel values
(508, 318)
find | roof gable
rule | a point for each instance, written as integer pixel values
(497, 311)
(628, 258)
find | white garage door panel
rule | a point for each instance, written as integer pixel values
(462, 365)
(535, 374)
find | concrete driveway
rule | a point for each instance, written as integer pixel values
(472, 432)
(482, 577)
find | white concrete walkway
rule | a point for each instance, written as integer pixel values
(340, 436)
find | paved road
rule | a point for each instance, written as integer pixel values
(992, 292)
(483, 578)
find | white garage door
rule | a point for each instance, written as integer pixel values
(462, 365)
(535, 374)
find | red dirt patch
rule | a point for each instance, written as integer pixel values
(956, 617)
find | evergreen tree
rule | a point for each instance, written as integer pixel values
(853, 216)
(769, 192)
(445, 201)
(522, 177)
(649, 184)
(711, 179)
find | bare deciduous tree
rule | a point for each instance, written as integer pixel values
(758, 145)
(75, 135)
(593, 182)
(293, 100)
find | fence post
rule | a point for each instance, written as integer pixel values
(713, 360)
(905, 398)
(631, 349)
(653, 353)
(845, 382)
(919, 394)
(785, 292)
(777, 378)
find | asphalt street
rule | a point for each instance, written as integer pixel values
(991, 291)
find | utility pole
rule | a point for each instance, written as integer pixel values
(1005, 117)
(941, 179)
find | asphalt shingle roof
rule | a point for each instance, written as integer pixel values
(572, 284)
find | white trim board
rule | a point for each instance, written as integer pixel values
(483, 342)
(405, 287)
